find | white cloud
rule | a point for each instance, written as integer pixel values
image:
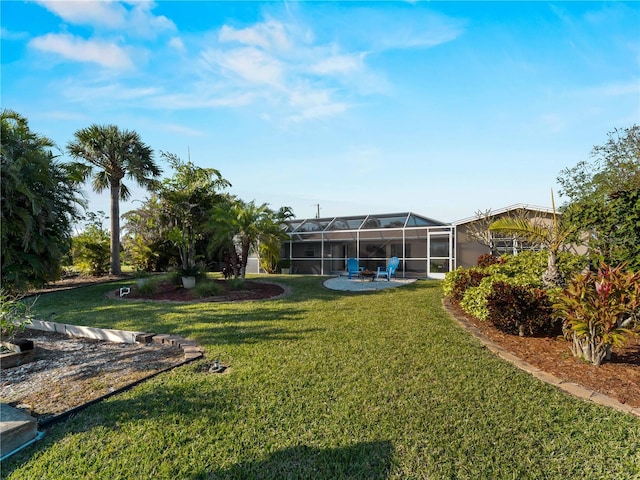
(7, 34)
(404, 27)
(94, 51)
(247, 63)
(339, 64)
(312, 104)
(270, 34)
(134, 17)
(111, 92)
(177, 44)
(88, 12)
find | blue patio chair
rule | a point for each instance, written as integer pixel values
(353, 268)
(390, 271)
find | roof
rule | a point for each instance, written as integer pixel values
(362, 222)
(510, 208)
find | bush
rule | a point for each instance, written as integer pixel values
(527, 267)
(460, 280)
(474, 301)
(599, 311)
(15, 314)
(487, 260)
(519, 309)
(148, 286)
(471, 287)
(207, 288)
(91, 251)
(236, 284)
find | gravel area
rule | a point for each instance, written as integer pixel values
(365, 285)
(66, 372)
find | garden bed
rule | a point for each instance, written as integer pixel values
(618, 378)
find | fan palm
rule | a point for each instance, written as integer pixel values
(109, 155)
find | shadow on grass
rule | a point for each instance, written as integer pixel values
(371, 460)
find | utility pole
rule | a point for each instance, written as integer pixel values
(318, 210)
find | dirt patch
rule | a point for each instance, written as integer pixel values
(618, 378)
(67, 372)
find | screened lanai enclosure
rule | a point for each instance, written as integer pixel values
(321, 246)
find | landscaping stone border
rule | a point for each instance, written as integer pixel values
(569, 387)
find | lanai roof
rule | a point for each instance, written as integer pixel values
(362, 222)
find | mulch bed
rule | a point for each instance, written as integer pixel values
(251, 290)
(618, 378)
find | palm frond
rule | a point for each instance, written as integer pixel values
(523, 228)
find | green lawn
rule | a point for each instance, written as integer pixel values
(326, 385)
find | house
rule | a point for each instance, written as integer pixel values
(427, 248)
(322, 246)
(474, 239)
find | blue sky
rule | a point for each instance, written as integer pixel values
(440, 108)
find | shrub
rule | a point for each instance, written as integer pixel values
(91, 251)
(487, 260)
(149, 286)
(460, 280)
(236, 284)
(599, 310)
(450, 280)
(527, 267)
(15, 314)
(474, 300)
(571, 264)
(519, 309)
(207, 289)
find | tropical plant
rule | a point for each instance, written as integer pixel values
(15, 314)
(247, 225)
(487, 260)
(456, 282)
(553, 237)
(186, 200)
(207, 288)
(39, 204)
(519, 309)
(599, 310)
(604, 198)
(145, 241)
(269, 256)
(108, 155)
(90, 248)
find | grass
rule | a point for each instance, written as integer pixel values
(326, 385)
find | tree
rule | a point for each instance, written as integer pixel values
(604, 198)
(91, 246)
(145, 241)
(553, 237)
(248, 225)
(109, 155)
(186, 200)
(39, 204)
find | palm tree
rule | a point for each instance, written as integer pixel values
(186, 200)
(553, 237)
(249, 224)
(110, 154)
